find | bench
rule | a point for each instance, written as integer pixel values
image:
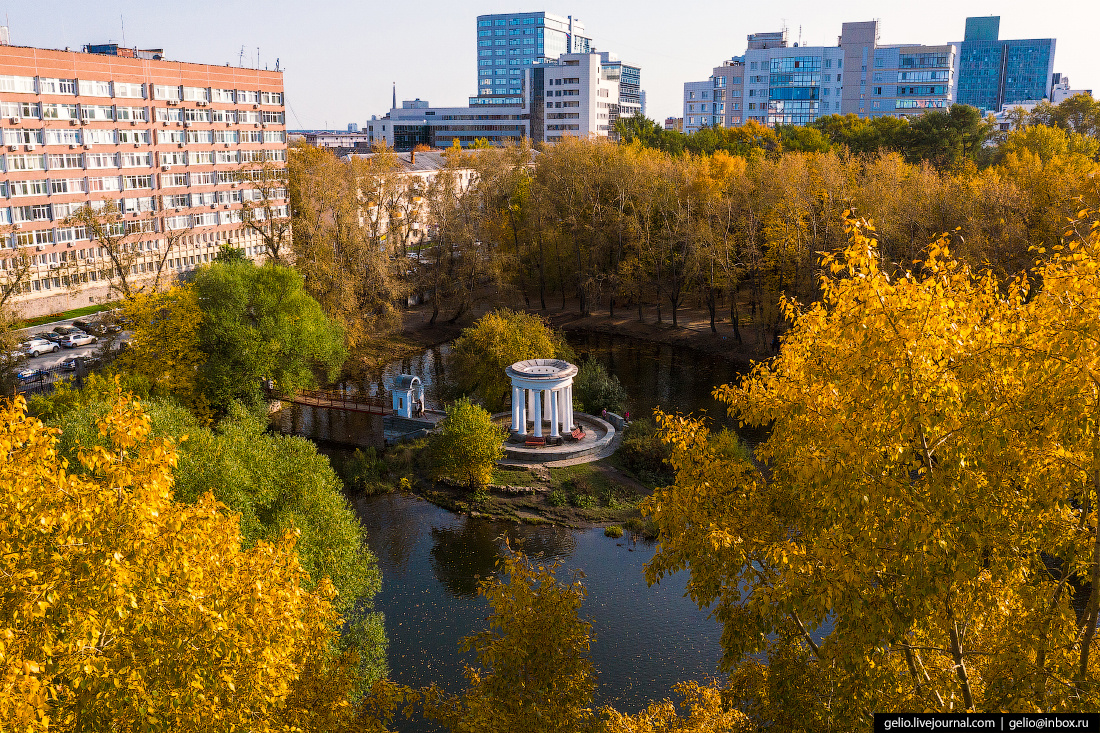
(577, 433)
(534, 442)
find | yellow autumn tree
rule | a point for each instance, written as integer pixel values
(124, 610)
(923, 534)
(164, 346)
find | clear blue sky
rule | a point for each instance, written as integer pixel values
(341, 56)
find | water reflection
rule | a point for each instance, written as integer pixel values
(646, 639)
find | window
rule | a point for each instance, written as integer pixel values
(39, 212)
(59, 111)
(105, 183)
(275, 118)
(200, 137)
(204, 178)
(196, 115)
(101, 160)
(246, 96)
(92, 88)
(169, 115)
(137, 160)
(62, 137)
(24, 137)
(131, 91)
(130, 182)
(226, 157)
(274, 136)
(177, 201)
(176, 157)
(196, 94)
(223, 115)
(26, 162)
(201, 157)
(173, 180)
(130, 113)
(20, 109)
(223, 96)
(178, 222)
(99, 137)
(97, 112)
(170, 136)
(168, 93)
(275, 98)
(29, 188)
(58, 161)
(131, 136)
(20, 84)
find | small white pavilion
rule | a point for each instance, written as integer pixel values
(542, 389)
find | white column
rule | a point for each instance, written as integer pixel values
(555, 413)
(569, 408)
(546, 403)
(536, 417)
(515, 409)
(522, 410)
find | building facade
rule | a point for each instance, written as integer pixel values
(173, 145)
(993, 73)
(775, 83)
(509, 43)
(580, 97)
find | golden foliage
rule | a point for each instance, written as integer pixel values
(926, 533)
(123, 609)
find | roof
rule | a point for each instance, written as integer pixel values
(405, 381)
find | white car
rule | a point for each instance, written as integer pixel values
(78, 339)
(37, 347)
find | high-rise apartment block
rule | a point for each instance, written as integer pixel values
(775, 83)
(993, 73)
(508, 43)
(177, 147)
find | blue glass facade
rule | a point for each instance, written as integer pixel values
(509, 42)
(993, 73)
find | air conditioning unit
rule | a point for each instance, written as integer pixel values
(166, 123)
(137, 145)
(179, 145)
(255, 106)
(179, 123)
(227, 145)
(87, 147)
(13, 148)
(30, 147)
(72, 122)
(213, 206)
(165, 167)
(226, 206)
(202, 103)
(133, 123)
(179, 208)
(255, 124)
(186, 124)
(16, 120)
(73, 146)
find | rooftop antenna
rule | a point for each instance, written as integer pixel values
(257, 57)
(276, 64)
(122, 20)
(800, 34)
(394, 96)
(240, 57)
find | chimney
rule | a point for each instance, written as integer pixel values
(412, 157)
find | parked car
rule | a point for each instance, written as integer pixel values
(37, 347)
(88, 326)
(78, 339)
(27, 376)
(69, 364)
(112, 327)
(65, 330)
(50, 336)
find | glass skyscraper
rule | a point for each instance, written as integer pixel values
(993, 73)
(509, 42)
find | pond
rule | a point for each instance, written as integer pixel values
(646, 638)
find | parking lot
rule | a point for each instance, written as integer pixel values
(52, 360)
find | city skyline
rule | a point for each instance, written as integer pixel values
(340, 62)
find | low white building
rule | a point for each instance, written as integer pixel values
(579, 97)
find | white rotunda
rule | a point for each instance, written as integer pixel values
(542, 389)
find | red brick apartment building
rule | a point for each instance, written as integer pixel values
(165, 141)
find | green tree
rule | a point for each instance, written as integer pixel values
(802, 139)
(534, 673)
(495, 342)
(597, 390)
(468, 445)
(258, 323)
(923, 533)
(946, 139)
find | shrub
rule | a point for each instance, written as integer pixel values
(614, 531)
(585, 501)
(365, 471)
(597, 390)
(644, 454)
(468, 446)
(557, 498)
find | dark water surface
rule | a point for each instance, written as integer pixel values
(646, 638)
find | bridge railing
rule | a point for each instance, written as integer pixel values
(340, 400)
